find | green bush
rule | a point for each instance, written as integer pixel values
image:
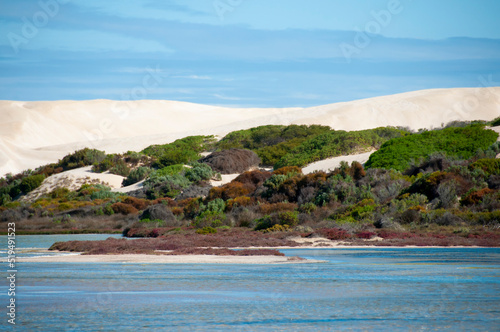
(181, 151)
(136, 175)
(81, 158)
(31, 182)
(337, 143)
(199, 172)
(488, 166)
(495, 122)
(165, 186)
(270, 142)
(399, 153)
(290, 218)
(206, 230)
(120, 168)
(264, 223)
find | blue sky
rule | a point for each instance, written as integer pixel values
(248, 53)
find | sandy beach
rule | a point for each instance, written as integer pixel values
(167, 259)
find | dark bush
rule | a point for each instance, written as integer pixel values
(231, 161)
(31, 182)
(159, 212)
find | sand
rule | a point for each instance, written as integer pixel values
(36, 133)
(330, 164)
(166, 259)
(74, 179)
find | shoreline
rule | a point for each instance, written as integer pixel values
(159, 258)
(168, 259)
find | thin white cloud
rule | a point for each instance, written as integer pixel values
(194, 77)
(218, 96)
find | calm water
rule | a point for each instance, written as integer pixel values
(357, 289)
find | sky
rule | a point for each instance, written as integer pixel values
(244, 53)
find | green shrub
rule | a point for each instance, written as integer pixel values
(209, 219)
(199, 172)
(81, 158)
(170, 170)
(181, 151)
(136, 175)
(270, 142)
(399, 153)
(206, 230)
(337, 143)
(165, 186)
(290, 218)
(495, 122)
(31, 183)
(264, 223)
(120, 168)
(488, 166)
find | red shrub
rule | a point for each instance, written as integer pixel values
(365, 235)
(230, 190)
(254, 178)
(288, 170)
(124, 209)
(139, 204)
(476, 197)
(334, 233)
(170, 202)
(276, 207)
(177, 211)
(239, 201)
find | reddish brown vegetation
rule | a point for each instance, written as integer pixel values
(187, 241)
(124, 209)
(334, 233)
(276, 207)
(230, 190)
(288, 170)
(139, 204)
(476, 197)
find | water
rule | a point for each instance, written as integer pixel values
(35, 245)
(403, 289)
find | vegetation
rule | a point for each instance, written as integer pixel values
(456, 142)
(337, 143)
(181, 151)
(437, 187)
(270, 142)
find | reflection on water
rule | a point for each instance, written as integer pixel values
(357, 289)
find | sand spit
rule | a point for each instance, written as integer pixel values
(167, 259)
(36, 133)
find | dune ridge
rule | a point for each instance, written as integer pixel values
(36, 133)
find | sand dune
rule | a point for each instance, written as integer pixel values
(36, 133)
(331, 163)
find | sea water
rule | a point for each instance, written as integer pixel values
(416, 289)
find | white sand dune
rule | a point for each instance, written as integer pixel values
(37, 133)
(74, 179)
(331, 163)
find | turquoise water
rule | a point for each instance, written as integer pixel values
(356, 289)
